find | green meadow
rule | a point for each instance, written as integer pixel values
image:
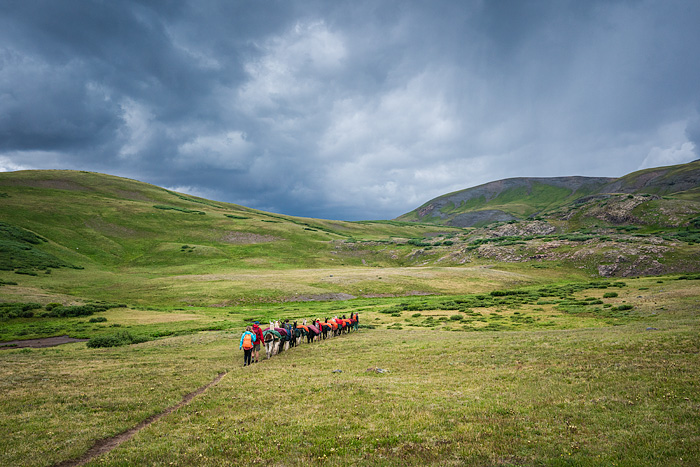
(472, 350)
(530, 381)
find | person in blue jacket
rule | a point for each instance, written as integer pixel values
(247, 344)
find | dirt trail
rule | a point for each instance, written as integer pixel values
(106, 445)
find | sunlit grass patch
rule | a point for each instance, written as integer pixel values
(477, 399)
(127, 316)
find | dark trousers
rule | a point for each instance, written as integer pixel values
(247, 353)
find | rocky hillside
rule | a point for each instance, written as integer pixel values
(664, 196)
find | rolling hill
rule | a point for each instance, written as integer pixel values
(546, 198)
(74, 236)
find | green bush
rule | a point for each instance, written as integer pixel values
(610, 295)
(456, 317)
(689, 277)
(79, 310)
(98, 319)
(418, 242)
(116, 340)
(175, 208)
(18, 310)
(18, 252)
(27, 272)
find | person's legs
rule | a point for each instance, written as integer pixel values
(246, 356)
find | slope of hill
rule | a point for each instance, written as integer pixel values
(71, 236)
(117, 222)
(523, 198)
(120, 238)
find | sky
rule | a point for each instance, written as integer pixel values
(350, 110)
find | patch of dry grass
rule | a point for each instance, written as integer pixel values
(129, 317)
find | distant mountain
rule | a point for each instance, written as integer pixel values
(528, 198)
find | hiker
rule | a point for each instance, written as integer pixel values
(258, 339)
(247, 341)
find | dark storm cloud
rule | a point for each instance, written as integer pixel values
(349, 110)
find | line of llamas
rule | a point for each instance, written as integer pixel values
(279, 337)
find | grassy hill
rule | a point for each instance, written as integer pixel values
(528, 198)
(71, 236)
(530, 322)
(99, 219)
(91, 235)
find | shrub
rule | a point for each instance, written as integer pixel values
(98, 319)
(175, 208)
(18, 252)
(689, 277)
(610, 295)
(622, 307)
(456, 317)
(503, 293)
(18, 310)
(27, 272)
(418, 242)
(116, 340)
(79, 310)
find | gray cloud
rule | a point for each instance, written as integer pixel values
(350, 110)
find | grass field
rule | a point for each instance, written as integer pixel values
(476, 347)
(591, 390)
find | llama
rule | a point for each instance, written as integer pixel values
(313, 332)
(271, 344)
